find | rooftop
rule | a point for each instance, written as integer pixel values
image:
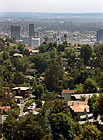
(17, 54)
(87, 95)
(72, 103)
(80, 108)
(18, 97)
(21, 88)
(29, 77)
(67, 91)
(5, 108)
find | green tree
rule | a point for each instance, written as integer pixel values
(42, 48)
(26, 52)
(21, 64)
(60, 47)
(2, 45)
(82, 76)
(38, 91)
(63, 127)
(46, 39)
(101, 81)
(8, 76)
(5, 55)
(54, 107)
(86, 51)
(98, 107)
(11, 128)
(70, 54)
(19, 78)
(8, 64)
(90, 132)
(65, 36)
(41, 61)
(90, 86)
(91, 102)
(53, 54)
(27, 128)
(54, 75)
(99, 56)
(21, 47)
(79, 88)
(14, 111)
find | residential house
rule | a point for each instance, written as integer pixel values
(18, 99)
(4, 109)
(17, 55)
(89, 118)
(85, 95)
(22, 91)
(66, 94)
(78, 110)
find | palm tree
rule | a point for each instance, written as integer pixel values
(46, 39)
(65, 36)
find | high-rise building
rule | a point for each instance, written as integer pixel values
(31, 30)
(99, 36)
(15, 32)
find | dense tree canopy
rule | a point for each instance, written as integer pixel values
(90, 132)
(86, 52)
(53, 68)
(38, 91)
(63, 127)
(90, 86)
(54, 75)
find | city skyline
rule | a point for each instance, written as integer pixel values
(54, 6)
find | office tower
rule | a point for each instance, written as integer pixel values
(31, 30)
(99, 35)
(15, 32)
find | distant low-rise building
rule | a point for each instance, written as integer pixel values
(17, 55)
(34, 42)
(34, 52)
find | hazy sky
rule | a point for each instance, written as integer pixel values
(68, 6)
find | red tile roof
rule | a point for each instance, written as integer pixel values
(67, 91)
(72, 103)
(80, 108)
(5, 108)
